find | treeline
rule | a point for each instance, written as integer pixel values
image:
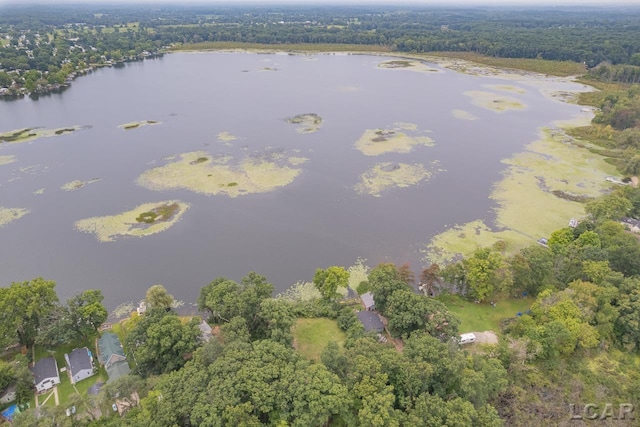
(56, 41)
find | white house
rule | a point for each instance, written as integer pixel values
(79, 364)
(8, 395)
(45, 373)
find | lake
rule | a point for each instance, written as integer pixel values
(321, 218)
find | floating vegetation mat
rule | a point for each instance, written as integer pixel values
(202, 173)
(31, 134)
(76, 184)
(136, 125)
(309, 122)
(301, 291)
(226, 137)
(388, 175)
(144, 220)
(5, 160)
(8, 215)
(542, 189)
(493, 101)
(375, 142)
(359, 272)
(463, 115)
(295, 161)
(39, 191)
(508, 88)
(407, 65)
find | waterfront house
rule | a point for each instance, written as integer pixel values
(368, 301)
(370, 321)
(79, 364)
(45, 374)
(112, 356)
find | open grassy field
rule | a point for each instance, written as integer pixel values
(311, 336)
(483, 317)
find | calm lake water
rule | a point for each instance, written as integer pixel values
(317, 221)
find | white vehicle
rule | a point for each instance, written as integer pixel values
(467, 338)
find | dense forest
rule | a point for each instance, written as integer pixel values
(44, 47)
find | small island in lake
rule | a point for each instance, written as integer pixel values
(144, 220)
(493, 101)
(31, 134)
(407, 64)
(8, 215)
(375, 142)
(310, 122)
(387, 175)
(203, 173)
(136, 125)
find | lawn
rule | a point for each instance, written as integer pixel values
(483, 317)
(312, 335)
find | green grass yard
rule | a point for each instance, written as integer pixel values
(483, 317)
(311, 336)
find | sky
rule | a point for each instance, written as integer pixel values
(603, 3)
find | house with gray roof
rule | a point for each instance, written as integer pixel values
(371, 321)
(8, 395)
(368, 301)
(79, 364)
(112, 356)
(45, 374)
(206, 333)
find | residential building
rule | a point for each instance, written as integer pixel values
(79, 364)
(45, 373)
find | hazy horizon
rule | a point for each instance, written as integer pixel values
(534, 3)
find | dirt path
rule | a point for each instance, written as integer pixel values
(486, 337)
(55, 395)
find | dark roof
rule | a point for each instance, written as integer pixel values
(631, 221)
(45, 368)
(117, 370)
(109, 344)
(370, 321)
(79, 360)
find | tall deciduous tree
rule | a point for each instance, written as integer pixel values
(22, 306)
(87, 312)
(157, 296)
(328, 281)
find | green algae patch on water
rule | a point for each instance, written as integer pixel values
(541, 190)
(77, 184)
(309, 122)
(139, 124)
(463, 115)
(31, 134)
(397, 139)
(144, 220)
(226, 137)
(508, 88)
(5, 160)
(8, 215)
(407, 65)
(296, 161)
(200, 173)
(463, 240)
(39, 191)
(495, 102)
(387, 175)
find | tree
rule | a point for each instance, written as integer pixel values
(384, 280)
(612, 206)
(429, 278)
(408, 312)
(487, 273)
(161, 343)
(22, 306)
(406, 275)
(224, 299)
(158, 297)
(87, 312)
(328, 281)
